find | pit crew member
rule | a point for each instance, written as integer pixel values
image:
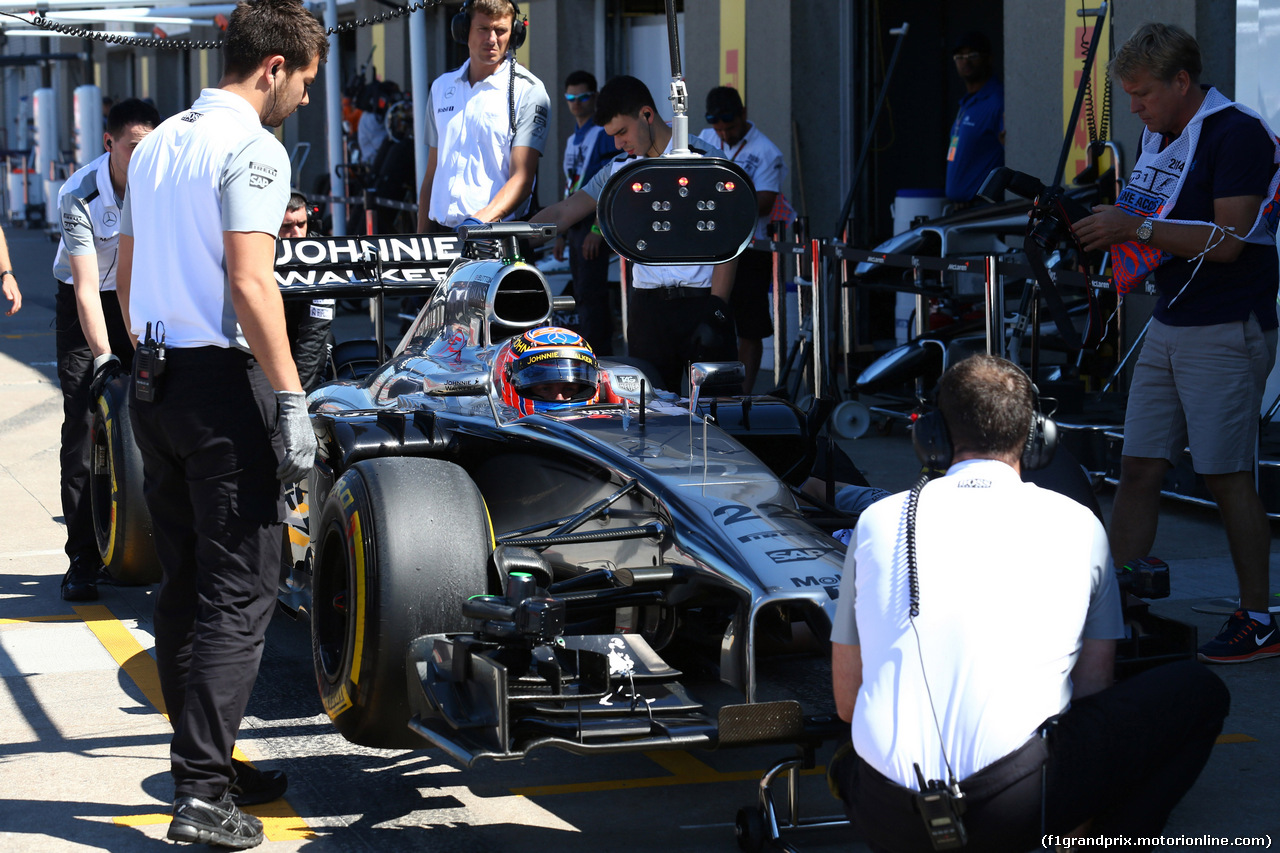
(677, 314)
(587, 149)
(745, 145)
(1012, 634)
(92, 342)
(307, 322)
(1207, 235)
(225, 421)
(486, 125)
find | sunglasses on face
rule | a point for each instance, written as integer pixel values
(720, 118)
(577, 99)
(967, 57)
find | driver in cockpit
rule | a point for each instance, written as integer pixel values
(548, 369)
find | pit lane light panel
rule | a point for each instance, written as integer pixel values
(678, 210)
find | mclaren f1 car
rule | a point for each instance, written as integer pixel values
(634, 571)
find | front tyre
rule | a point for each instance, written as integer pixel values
(402, 543)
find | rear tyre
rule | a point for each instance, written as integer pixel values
(402, 543)
(121, 520)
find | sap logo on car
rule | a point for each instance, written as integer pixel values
(830, 585)
(797, 555)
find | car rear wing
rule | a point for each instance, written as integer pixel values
(342, 267)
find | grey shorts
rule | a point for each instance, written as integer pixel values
(1200, 386)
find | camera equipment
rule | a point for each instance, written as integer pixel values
(940, 807)
(1052, 210)
(148, 366)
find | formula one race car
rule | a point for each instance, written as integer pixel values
(495, 577)
(626, 572)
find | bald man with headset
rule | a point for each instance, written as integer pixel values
(973, 652)
(486, 125)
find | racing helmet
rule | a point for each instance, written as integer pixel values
(547, 369)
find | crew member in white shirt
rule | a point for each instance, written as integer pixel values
(486, 125)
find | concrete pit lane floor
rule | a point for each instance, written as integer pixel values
(84, 750)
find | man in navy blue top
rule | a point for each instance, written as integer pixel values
(977, 136)
(588, 148)
(1197, 204)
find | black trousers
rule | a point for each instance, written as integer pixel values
(660, 331)
(210, 446)
(1123, 757)
(591, 291)
(310, 340)
(75, 370)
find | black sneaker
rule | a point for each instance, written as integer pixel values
(252, 786)
(80, 583)
(1242, 639)
(221, 823)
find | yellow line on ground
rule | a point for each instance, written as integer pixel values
(126, 650)
(279, 821)
(1236, 738)
(19, 620)
(685, 770)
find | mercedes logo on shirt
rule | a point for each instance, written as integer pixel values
(108, 218)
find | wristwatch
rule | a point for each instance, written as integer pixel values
(1144, 230)
(4, 273)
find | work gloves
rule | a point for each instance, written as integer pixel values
(299, 439)
(714, 338)
(105, 368)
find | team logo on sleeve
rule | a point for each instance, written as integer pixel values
(260, 175)
(193, 116)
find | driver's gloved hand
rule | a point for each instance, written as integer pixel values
(714, 338)
(299, 438)
(105, 368)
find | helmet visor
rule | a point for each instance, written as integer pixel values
(562, 380)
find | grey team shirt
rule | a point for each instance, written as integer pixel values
(89, 216)
(210, 169)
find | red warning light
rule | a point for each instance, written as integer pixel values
(728, 186)
(684, 182)
(636, 187)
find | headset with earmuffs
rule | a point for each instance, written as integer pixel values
(932, 440)
(460, 26)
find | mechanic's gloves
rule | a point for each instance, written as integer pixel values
(471, 220)
(105, 368)
(299, 439)
(714, 338)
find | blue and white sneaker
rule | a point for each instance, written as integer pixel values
(1243, 639)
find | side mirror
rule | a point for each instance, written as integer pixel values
(714, 374)
(678, 210)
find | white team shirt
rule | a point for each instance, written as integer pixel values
(470, 126)
(1012, 577)
(90, 222)
(644, 277)
(209, 169)
(760, 159)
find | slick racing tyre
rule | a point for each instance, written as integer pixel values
(402, 543)
(121, 520)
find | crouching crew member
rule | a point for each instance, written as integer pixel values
(92, 341)
(977, 613)
(224, 421)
